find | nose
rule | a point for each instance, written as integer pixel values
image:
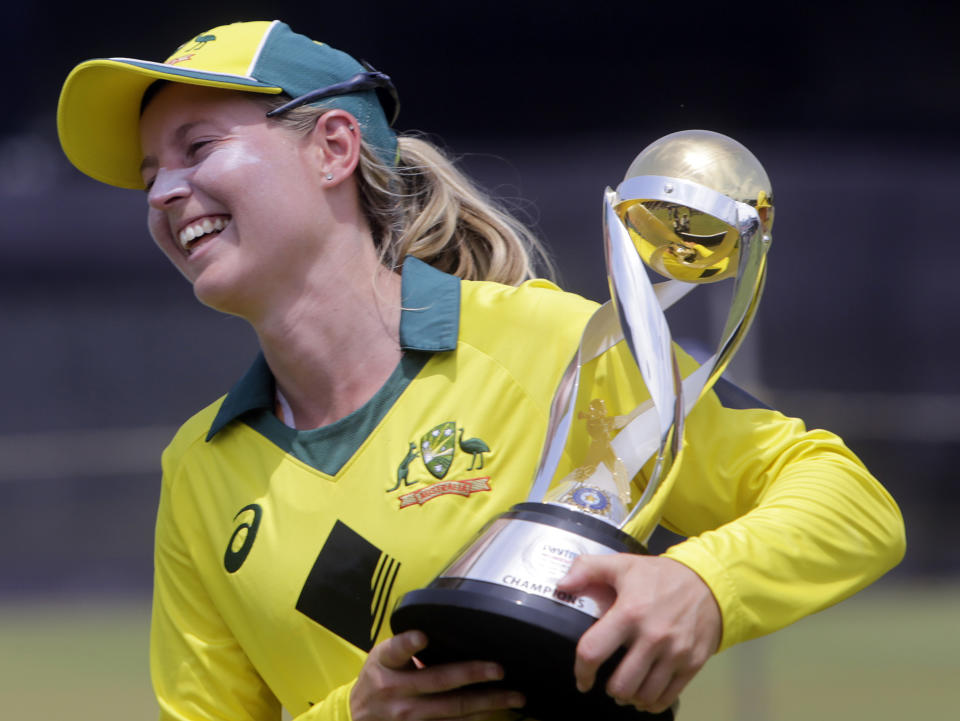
(168, 187)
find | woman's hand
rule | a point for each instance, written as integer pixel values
(391, 686)
(663, 614)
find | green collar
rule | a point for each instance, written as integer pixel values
(429, 321)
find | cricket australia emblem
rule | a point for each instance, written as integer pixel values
(437, 449)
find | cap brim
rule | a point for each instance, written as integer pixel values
(98, 118)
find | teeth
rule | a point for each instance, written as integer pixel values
(200, 228)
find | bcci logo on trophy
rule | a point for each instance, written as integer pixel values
(437, 450)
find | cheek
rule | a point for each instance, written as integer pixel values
(232, 172)
(267, 178)
(236, 158)
(160, 232)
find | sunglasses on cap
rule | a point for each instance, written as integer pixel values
(369, 80)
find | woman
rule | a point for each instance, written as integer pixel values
(384, 293)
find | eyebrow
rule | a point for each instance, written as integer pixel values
(151, 162)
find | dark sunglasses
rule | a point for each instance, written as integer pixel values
(369, 80)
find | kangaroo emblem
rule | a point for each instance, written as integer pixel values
(404, 468)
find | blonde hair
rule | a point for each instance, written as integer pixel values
(425, 207)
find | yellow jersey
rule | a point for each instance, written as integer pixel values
(280, 553)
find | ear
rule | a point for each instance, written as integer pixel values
(336, 139)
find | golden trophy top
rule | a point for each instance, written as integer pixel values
(683, 242)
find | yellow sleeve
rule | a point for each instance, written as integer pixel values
(781, 521)
(199, 670)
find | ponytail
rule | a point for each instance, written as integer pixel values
(425, 207)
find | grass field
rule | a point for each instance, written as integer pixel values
(885, 654)
(893, 652)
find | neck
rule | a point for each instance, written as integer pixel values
(334, 345)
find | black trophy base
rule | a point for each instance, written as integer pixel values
(532, 637)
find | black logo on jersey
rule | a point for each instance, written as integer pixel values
(240, 543)
(348, 587)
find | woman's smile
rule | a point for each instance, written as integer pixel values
(201, 231)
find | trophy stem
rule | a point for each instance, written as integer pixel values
(709, 372)
(748, 288)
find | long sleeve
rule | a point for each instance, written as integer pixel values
(782, 522)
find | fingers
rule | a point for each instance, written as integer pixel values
(650, 676)
(669, 695)
(392, 685)
(467, 704)
(450, 676)
(597, 576)
(664, 620)
(397, 653)
(635, 669)
(597, 644)
(640, 680)
(589, 571)
(461, 705)
(659, 690)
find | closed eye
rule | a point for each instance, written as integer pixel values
(196, 146)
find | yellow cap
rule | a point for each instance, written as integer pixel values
(98, 118)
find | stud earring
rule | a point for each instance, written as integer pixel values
(329, 176)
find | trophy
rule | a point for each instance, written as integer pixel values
(695, 207)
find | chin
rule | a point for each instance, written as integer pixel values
(219, 295)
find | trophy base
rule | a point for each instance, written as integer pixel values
(533, 637)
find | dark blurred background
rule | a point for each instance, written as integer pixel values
(852, 108)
